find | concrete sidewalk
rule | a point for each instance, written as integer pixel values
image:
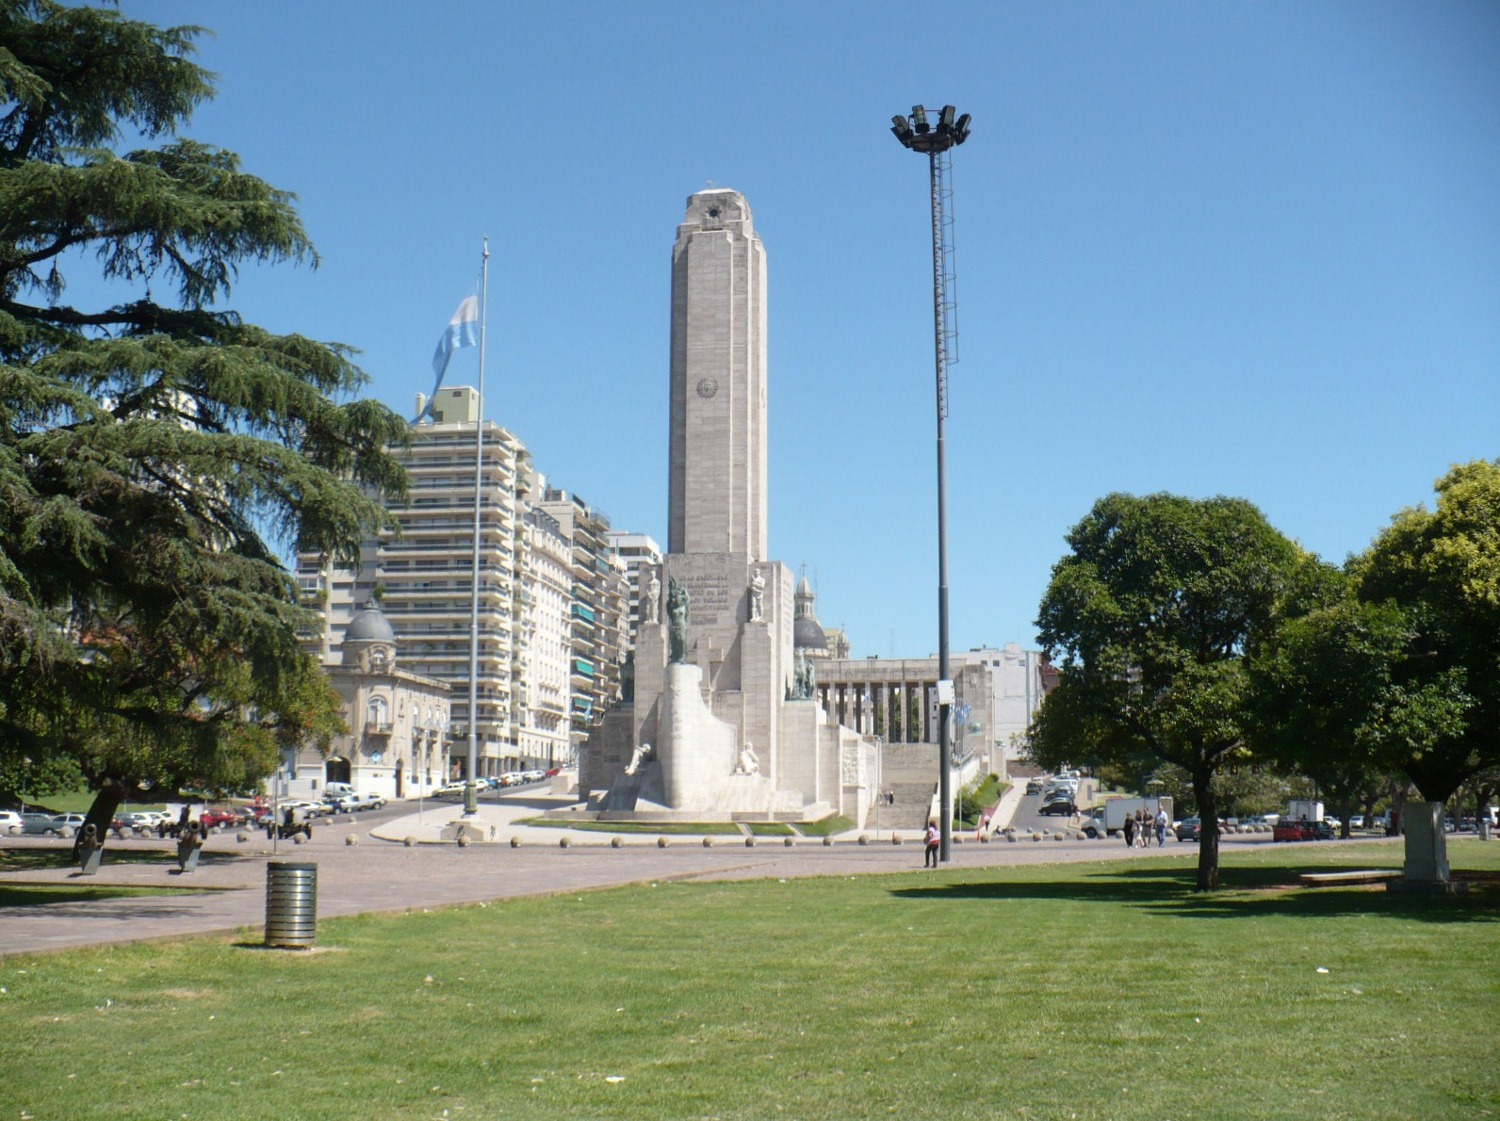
(227, 892)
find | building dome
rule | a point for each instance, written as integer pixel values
(369, 625)
(807, 632)
(369, 643)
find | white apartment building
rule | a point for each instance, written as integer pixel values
(596, 612)
(543, 715)
(636, 551)
(423, 577)
(1016, 695)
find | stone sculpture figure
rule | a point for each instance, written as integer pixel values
(749, 762)
(802, 678)
(652, 602)
(677, 620)
(641, 755)
(757, 595)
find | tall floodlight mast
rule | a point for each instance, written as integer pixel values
(919, 135)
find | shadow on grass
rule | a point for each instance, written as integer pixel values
(1245, 893)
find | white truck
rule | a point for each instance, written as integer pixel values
(1299, 810)
(1109, 818)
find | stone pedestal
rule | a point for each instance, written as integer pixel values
(1426, 844)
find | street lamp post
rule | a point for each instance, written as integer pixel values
(918, 134)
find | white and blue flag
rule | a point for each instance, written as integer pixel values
(462, 330)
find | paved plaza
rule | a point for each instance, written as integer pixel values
(382, 873)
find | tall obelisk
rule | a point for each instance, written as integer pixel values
(717, 489)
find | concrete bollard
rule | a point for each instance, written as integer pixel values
(351, 839)
(616, 842)
(661, 842)
(1010, 835)
(864, 838)
(750, 841)
(409, 841)
(563, 842)
(463, 840)
(242, 837)
(895, 838)
(708, 842)
(787, 841)
(827, 842)
(515, 842)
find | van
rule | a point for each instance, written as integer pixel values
(337, 790)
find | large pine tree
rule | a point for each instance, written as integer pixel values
(155, 454)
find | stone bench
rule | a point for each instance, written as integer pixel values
(1336, 879)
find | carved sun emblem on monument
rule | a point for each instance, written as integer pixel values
(708, 387)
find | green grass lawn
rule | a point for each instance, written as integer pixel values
(1095, 991)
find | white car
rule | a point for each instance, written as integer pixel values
(10, 821)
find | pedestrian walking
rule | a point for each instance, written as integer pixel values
(1130, 832)
(1161, 825)
(932, 840)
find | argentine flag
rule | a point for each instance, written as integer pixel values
(462, 330)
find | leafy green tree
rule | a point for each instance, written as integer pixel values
(1325, 689)
(1440, 569)
(1153, 612)
(156, 452)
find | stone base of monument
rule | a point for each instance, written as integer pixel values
(463, 832)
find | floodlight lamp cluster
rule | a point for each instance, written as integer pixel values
(918, 133)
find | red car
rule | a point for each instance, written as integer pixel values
(1294, 831)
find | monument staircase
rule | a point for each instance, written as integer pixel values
(912, 808)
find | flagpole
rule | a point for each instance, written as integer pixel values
(471, 789)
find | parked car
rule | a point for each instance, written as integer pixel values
(58, 822)
(1034, 786)
(34, 822)
(1288, 830)
(1189, 829)
(217, 817)
(350, 803)
(1059, 805)
(141, 820)
(450, 790)
(10, 820)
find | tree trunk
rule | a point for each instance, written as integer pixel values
(1208, 844)
(1346, 808)
(111, 793)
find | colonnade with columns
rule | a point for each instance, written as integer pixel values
(855, 703)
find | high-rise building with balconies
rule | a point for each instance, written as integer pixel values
(597, 613)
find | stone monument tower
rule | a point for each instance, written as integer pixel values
(721, 725)
(717, 491)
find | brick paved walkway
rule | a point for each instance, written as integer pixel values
(378, 875)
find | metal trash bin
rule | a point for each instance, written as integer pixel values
(291, 904)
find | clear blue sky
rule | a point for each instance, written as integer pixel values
(1243, 249)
